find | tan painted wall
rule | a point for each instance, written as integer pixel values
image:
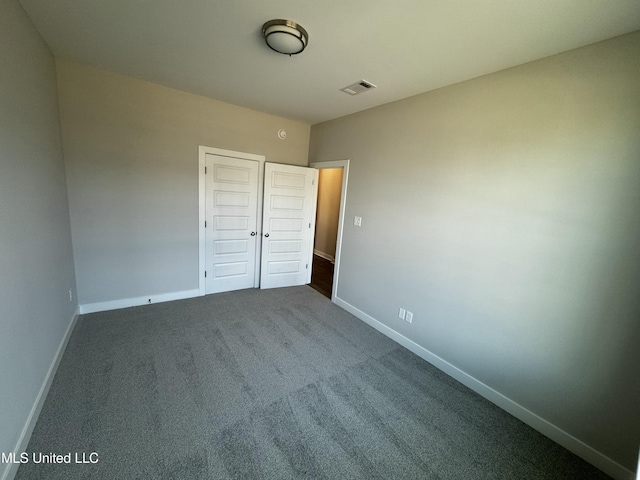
(507, 210)
(36, 259)
(329, 190)
(131, 153)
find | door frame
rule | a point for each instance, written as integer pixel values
(344, 164)
(202, 155)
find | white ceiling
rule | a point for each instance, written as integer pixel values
(214, 47)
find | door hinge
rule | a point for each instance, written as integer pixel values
(309, 225)
(307, 267)
(205, 170)
(205, 274)
(205, 224)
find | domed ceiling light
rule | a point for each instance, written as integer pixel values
(285, 36)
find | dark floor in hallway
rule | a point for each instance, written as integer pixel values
(322, 275)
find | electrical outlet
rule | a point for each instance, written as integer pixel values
(401, 313)
(70, 295)
(357, 221)
(409, 316)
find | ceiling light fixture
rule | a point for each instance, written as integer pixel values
(285, 36)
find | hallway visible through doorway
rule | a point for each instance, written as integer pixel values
(326, 233)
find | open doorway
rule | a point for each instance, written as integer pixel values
(332, 184)
(326, 235)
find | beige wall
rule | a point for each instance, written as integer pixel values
(329, 191)
(36, 263)
(131, 152)
(503, 212)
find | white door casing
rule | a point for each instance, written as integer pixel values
(288, 220)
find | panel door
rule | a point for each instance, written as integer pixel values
(288, 221)
(231, 223)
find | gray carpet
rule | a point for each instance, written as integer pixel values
(271, 384)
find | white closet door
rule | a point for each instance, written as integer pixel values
(231, 223)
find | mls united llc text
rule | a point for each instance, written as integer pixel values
(39, 457)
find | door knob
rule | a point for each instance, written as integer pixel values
(266, 234)
(253, 234)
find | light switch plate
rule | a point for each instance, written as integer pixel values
(357, 221)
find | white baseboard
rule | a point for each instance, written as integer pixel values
(571, 443)
(326, 256)
(23, 441)
(137, 301)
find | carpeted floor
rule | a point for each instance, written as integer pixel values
(271, 384)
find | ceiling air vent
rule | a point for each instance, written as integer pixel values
(358, 87)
